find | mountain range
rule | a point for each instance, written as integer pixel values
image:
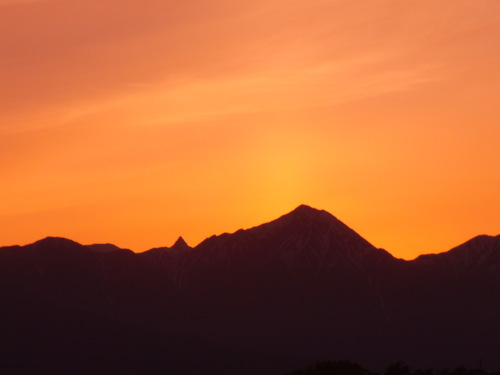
(264, 300)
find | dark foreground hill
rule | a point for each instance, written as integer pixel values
(259, 301)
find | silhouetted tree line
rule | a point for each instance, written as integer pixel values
(398, 368)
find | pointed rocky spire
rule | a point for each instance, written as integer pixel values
(180, 244)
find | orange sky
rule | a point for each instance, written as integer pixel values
(136, 121)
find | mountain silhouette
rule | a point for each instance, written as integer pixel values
(263, 301)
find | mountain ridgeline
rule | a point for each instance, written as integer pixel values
(264, 300)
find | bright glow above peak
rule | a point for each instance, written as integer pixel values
(133, 122)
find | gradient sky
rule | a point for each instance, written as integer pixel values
(136, 121)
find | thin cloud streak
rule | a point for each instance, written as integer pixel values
(170, 112)
(325, 85)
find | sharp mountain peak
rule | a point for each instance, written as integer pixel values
(308, 214)
(306, 226)
(180, 244)
(305, 211)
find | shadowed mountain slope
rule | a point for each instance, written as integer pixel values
(259, 301)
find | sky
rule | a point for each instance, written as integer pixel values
(135, 121)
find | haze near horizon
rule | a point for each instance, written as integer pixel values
(133, 122)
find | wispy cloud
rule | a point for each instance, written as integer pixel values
(172, 101)
(273, 90)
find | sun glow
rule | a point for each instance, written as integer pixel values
(135, 122)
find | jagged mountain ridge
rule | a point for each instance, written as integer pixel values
(304, 240)
(304, 232)
(300, 288)
(480, 252)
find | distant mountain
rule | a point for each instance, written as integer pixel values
(259, 301)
